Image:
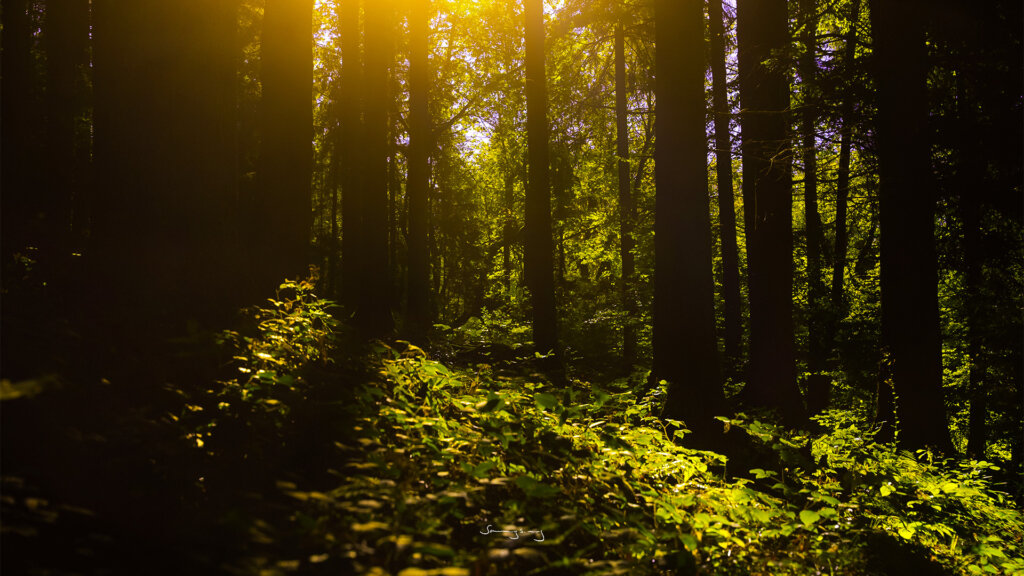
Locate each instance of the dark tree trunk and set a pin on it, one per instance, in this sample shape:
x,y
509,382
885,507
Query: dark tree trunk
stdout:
x,y
373,314
333,187
627,210
767,200
397,218
417,186
349,151
21,116
685,345
973,184
165,157
284,197
818,384
726,196
67,59
842,245
539,241
909,280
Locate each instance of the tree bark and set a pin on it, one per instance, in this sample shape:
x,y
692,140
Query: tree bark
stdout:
x,y
818,384
842,241
284,172
767,199
350,123
685,345
539,241
972,184
417,186
163,242
909,280
67,60
726,196
627,210
373,315
21,114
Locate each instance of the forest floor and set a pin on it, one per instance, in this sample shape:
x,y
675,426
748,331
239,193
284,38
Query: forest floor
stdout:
x,y
289,448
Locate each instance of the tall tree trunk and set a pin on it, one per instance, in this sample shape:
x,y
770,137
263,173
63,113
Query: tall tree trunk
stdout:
x,y
284,172
973,182
67,58
842,245
350,124
539,241
373,314
627,210
909,280
767,199
685,345
417,185
334,189
166,163
397,217
21,115
726,197
818,384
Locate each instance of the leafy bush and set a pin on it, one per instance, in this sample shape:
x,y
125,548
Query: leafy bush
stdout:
x,y
295,336
453,453
459,470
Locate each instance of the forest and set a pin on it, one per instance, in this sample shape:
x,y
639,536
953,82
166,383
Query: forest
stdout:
x,y
486,287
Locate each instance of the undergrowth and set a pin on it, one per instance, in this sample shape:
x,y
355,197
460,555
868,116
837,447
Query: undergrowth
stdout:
x,y
471,469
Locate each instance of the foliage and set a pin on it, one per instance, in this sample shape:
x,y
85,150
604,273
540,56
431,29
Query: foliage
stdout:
x,y
951,509
296,337
470,470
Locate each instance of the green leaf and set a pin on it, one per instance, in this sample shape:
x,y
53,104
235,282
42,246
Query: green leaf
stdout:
x,y
536,489
492,403
481,469
545,401
809,517
885,489
438,550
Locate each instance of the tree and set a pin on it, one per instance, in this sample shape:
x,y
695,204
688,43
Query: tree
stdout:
x,y
818,383
767,201
284,202
21,114
67,152
348,145
685,346
539,243
163,227
910,315
627,209
842,240
418,316
373,314
726,199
